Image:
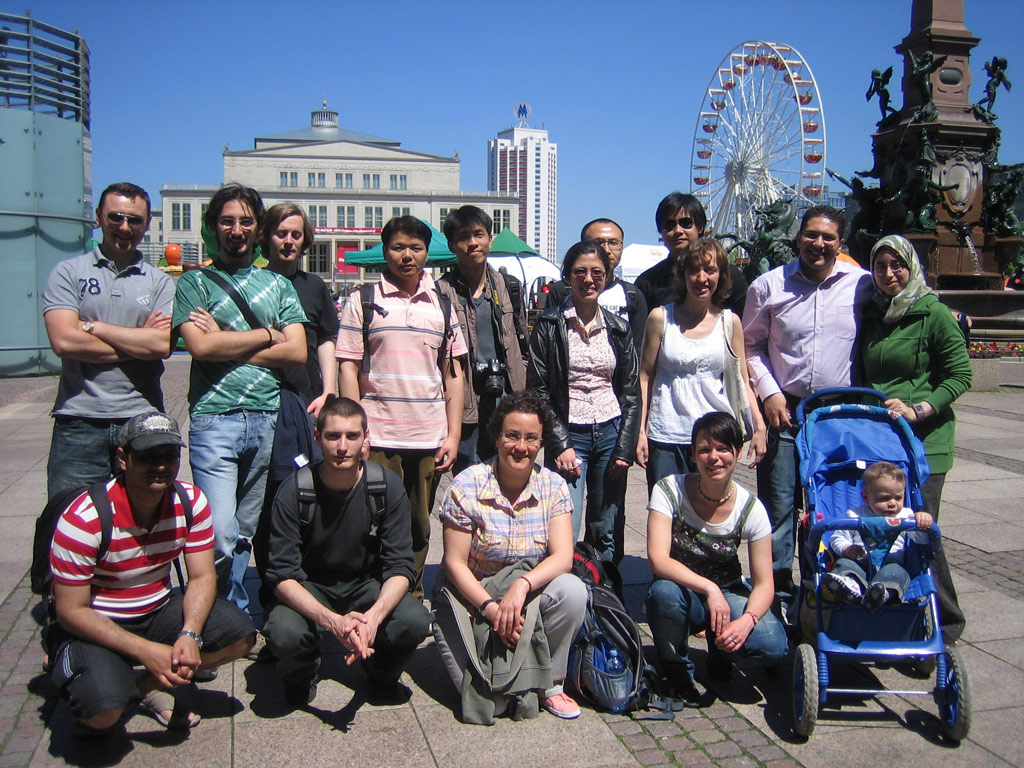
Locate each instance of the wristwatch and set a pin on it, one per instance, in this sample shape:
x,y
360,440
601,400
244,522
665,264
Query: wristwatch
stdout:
x,y
194,635
919,410
87,327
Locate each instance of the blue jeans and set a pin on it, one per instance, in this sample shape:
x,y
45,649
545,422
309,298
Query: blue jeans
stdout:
x,y
675,613
666,459
82,452
891,575
229,454
475,446
778,488
605,496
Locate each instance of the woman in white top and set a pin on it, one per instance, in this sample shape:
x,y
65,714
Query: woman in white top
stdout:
x,y
695,526
682,368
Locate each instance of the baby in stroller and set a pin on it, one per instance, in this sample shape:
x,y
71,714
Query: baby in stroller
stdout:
x,y
883,489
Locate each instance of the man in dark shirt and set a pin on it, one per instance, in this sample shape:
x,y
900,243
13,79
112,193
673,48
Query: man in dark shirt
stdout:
x,y
284,236
681,219
347,572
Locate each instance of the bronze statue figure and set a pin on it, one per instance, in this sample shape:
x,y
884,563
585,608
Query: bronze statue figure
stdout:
x,y
921,69
879,83
920,196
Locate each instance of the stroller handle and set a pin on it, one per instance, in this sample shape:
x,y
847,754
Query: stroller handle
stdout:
x,y
843,394
853,524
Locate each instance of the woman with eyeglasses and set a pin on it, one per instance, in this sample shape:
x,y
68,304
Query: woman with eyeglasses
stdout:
x,y
914,352
507,554
583,362
683,365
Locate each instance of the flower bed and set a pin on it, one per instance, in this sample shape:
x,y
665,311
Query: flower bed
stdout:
x,y
987,349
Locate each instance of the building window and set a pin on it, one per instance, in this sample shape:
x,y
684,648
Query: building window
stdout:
x,y
374,216
318,259
181,215
376,181
321,179
366,181
444,215
502,220
318,215
346,216
399,181
400,211
343,180
348,181
294,179
284,178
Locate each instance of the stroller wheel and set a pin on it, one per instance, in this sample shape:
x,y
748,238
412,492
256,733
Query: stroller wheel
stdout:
x,y
953,694
805,690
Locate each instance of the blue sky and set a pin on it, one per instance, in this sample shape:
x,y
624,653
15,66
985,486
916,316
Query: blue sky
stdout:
x,y
617,85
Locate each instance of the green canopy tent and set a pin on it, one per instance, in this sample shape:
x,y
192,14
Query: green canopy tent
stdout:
x,y
438,254
508,242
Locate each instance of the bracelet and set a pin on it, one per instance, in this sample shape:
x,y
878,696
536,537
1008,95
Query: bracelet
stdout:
x,y
270,337
528,582
752,615
484,604
195,636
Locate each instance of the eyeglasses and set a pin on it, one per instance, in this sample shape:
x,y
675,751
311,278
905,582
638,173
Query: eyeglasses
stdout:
x,y
609,243
893,266
531,439
228,222
158,457
596,274
117,219
669,224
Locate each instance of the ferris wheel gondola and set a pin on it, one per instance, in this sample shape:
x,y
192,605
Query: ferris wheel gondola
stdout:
x,y
760,136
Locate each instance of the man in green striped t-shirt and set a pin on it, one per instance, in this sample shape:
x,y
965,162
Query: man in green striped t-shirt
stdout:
x,y
234,392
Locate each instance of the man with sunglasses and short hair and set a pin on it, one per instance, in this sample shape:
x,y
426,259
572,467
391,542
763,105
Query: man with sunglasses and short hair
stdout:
x,y
681,219
108,316
235,391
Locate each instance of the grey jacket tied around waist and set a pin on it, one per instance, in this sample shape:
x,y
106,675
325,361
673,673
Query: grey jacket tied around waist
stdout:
x,y
496,673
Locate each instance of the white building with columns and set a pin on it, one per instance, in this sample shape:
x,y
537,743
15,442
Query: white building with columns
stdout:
x,y
349,183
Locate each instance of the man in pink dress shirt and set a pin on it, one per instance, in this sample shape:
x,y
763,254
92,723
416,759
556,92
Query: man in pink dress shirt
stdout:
x,y
800,332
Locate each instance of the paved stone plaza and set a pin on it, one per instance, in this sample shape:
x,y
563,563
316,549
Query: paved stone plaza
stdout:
x,y
748,724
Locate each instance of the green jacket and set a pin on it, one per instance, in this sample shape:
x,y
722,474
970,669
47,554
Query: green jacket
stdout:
x,y
922,357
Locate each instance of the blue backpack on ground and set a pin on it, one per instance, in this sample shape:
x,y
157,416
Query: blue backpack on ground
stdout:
x,y
606,662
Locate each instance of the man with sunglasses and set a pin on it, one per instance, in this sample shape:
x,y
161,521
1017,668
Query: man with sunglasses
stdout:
x,y
235,391
108,316
681,219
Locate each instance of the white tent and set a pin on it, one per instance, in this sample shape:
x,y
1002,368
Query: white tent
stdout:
x,y
533,271
637,258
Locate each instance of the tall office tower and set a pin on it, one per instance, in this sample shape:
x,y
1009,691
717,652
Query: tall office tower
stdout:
x,y
522,162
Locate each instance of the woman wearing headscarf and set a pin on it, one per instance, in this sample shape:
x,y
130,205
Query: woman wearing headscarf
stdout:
x,y
913,352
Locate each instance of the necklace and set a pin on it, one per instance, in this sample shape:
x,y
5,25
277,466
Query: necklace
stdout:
x,y
715,501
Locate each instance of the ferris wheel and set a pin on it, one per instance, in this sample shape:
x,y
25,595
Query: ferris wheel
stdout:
x,y
760,136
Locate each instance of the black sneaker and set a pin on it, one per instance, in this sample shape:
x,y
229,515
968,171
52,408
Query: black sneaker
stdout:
x,y
387,693
686,693
302,694
876,597
840,588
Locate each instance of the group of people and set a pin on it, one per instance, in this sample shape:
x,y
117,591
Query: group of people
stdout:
x,y
418,377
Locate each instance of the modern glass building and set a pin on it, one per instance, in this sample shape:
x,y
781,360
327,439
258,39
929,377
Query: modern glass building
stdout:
x,y
46,182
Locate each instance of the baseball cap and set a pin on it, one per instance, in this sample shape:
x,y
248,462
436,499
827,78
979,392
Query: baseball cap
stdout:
x,y
148,430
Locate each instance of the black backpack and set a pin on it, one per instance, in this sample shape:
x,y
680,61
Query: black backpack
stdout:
x,y
305,491
515,295
606,662
41,576
369,307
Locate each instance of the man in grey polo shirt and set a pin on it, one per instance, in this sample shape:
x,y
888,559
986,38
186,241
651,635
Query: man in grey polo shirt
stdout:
x,y
108,316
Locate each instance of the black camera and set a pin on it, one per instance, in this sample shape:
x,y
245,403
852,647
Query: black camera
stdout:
x,y
491,376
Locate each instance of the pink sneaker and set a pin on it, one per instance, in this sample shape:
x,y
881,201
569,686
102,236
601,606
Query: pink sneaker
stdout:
x,y
561,705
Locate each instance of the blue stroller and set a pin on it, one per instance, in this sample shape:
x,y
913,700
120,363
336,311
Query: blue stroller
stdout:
x,y
843,432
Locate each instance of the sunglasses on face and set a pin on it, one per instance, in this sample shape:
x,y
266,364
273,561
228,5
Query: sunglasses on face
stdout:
x,y
685,222
117,219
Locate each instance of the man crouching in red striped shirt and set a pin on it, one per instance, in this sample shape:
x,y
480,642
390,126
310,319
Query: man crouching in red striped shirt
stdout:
x,y
113,595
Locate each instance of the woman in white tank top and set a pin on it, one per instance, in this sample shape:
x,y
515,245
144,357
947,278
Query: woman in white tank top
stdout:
x,y
683,363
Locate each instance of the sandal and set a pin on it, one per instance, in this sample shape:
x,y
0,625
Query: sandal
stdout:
x,y
157,702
